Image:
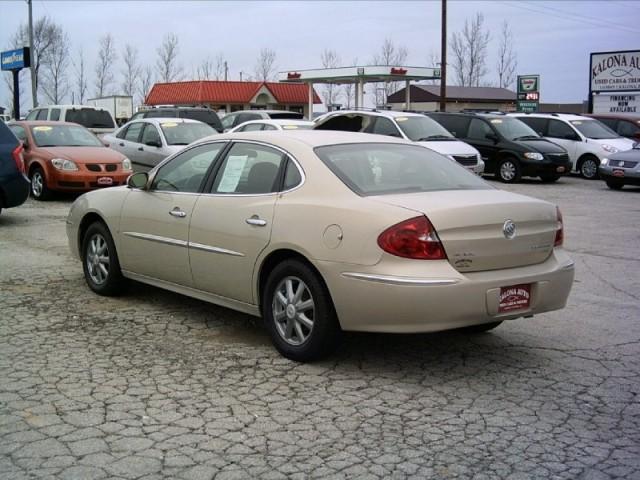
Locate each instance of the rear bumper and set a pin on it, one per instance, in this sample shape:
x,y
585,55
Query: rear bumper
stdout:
x,y
14,190
368,299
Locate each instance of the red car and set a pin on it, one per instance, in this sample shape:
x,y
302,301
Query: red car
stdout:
x,y
624,124
62,156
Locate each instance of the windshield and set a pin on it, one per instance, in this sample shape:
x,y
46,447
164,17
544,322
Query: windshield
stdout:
x,y
64,136
182,133
422,129
382,168
513,129
90,118
594,129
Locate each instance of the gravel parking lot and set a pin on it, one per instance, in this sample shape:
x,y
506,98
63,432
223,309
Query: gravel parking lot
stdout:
x,y
156,385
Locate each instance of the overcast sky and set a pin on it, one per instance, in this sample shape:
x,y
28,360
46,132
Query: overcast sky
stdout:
x,y
553,39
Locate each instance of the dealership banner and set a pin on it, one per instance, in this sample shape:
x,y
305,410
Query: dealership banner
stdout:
x,y
618,103
615,71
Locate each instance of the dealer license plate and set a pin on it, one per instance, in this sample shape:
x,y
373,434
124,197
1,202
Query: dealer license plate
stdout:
x,y
105,181
515,297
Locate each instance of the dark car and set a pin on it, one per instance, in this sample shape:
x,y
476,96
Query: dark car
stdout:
x,y
14,184
509,148
202,114
624,124
622,168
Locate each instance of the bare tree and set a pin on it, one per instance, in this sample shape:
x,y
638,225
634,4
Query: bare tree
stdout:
x,y
45,31
507,61
104,66
350,90
131,71
331,92
55,83
433,60
389,54
167,65
212,68
145,82
469,49
80,76
265,67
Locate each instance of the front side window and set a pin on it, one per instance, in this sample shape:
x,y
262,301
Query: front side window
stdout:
x,y
558,129
456,124
227,121
19,132
42,114
251,127
186,171
478,130
150,135
513,129
423,129
33,114
379,169
384,126
628,129
536,123
133,132
249,169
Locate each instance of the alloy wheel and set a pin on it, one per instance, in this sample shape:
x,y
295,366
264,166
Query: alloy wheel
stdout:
x,y
293,310
37,184
589,168
98,259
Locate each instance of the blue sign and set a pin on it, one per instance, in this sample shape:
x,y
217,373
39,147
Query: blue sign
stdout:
x,y
15,59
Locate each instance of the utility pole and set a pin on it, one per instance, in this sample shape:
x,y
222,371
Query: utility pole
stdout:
x,y
226,70
34,97
443,59
240,76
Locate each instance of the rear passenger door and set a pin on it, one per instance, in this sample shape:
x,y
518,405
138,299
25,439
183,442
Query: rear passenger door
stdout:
x,y
129,141
564,135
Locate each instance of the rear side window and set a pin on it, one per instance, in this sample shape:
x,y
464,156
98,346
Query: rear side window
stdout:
x,y
344,123
32,114
292,176
161,113
609,122
457,125
628,129
133,132
246,117
537,124
55,114
287,115
19,132
42,114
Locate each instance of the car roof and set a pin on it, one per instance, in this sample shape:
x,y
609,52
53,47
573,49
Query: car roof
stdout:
x,y
310,138
158,120
38,123
616,116
377,113
561,116
279,121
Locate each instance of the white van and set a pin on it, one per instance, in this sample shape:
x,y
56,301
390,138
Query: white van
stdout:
x,y
99,121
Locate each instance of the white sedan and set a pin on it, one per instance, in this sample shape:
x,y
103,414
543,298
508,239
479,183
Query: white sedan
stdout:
x,y
319,232
276,124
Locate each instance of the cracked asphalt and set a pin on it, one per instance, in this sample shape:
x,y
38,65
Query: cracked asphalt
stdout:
x,y
155,385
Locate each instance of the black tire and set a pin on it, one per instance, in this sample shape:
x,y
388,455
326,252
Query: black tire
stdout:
x,y
484,327
322,337
508,170
588,167
549,177
113,283
39,189
615,184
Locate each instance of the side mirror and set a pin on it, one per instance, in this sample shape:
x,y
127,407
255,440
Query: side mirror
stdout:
x,y
25,144
138,180
491,136
154,143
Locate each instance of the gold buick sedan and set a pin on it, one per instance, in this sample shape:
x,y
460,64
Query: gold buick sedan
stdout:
x,y
320,232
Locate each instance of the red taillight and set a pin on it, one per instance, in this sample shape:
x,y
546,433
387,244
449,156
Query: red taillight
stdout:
x,y
559,229
414,238
18,158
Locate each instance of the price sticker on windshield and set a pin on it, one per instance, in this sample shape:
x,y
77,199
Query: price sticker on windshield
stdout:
x,y
496,120
42,128
401,119
290,127
170,124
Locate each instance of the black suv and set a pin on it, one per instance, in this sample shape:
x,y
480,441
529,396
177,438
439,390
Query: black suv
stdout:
x,y
509,148
14,185
202,114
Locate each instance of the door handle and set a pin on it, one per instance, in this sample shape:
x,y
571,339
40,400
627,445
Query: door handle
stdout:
x,y
176,212
140,149
121,144
257,221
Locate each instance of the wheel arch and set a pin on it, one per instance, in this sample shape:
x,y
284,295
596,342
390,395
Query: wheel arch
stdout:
x,y
276,257
87,220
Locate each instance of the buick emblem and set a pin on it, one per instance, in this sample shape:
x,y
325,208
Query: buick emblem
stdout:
x,y
509,229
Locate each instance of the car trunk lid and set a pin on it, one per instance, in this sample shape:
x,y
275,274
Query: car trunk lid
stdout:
x,y
474,226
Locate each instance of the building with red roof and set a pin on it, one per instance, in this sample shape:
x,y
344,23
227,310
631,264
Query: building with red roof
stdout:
x,y
231,95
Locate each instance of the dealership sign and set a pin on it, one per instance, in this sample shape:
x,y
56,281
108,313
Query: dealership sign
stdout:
x,y
616,103
15,59
528,93
615,71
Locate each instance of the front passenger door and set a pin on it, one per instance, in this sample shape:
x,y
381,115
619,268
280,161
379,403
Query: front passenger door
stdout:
x,y
154,226
477,136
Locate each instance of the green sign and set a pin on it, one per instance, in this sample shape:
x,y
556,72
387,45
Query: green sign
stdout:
x,y
528,83
527,107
